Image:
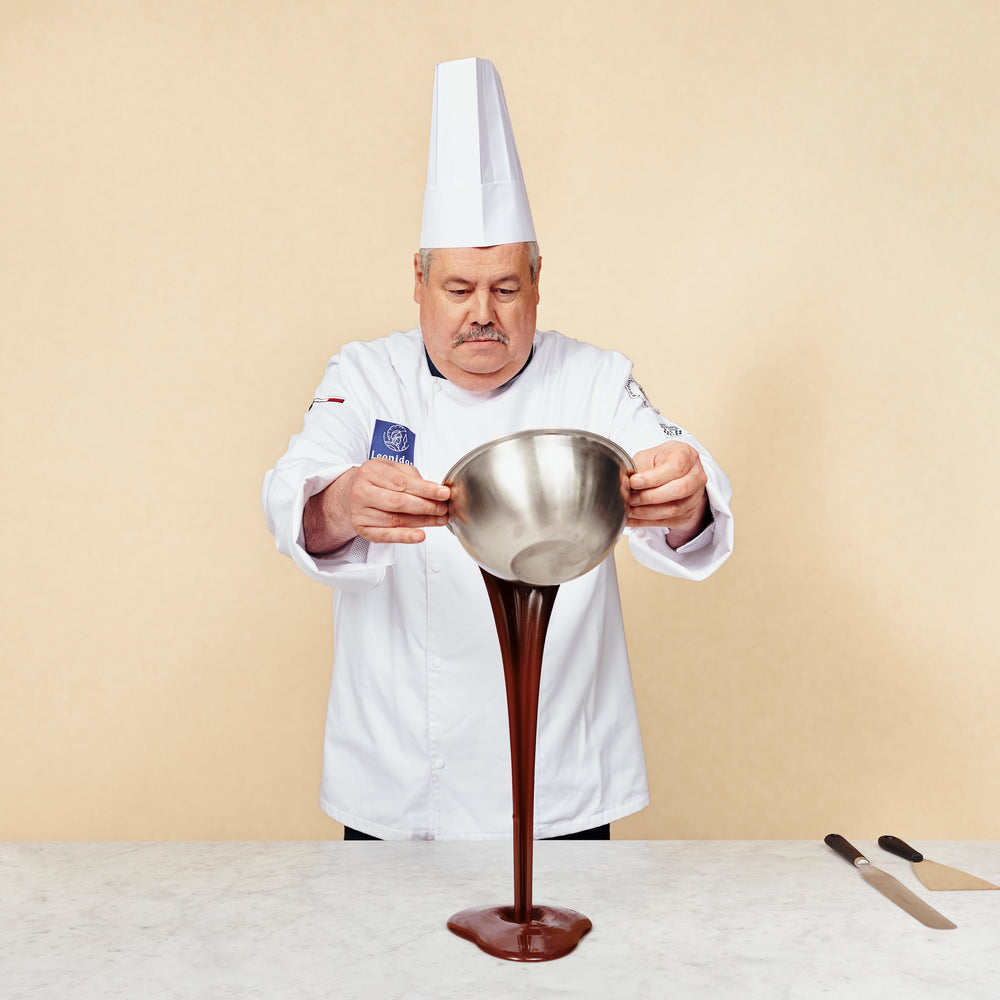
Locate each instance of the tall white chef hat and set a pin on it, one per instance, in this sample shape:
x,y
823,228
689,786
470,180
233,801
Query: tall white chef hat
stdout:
x,y
475,194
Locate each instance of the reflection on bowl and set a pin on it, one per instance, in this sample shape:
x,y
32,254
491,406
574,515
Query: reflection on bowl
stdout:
x,y
541,507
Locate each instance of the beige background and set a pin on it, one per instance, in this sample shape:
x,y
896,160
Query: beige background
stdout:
x,y
787,213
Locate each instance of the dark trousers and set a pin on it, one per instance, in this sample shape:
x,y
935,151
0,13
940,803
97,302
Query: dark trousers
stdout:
x,y
595,833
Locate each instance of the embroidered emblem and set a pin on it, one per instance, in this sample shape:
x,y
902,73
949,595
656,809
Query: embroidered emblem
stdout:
x,y
635,391
392,441
395,438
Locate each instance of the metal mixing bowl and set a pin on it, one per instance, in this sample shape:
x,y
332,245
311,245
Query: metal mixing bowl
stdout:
x,y
541,507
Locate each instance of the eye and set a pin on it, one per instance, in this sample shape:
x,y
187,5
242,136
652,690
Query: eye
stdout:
x,y
506,293
458,291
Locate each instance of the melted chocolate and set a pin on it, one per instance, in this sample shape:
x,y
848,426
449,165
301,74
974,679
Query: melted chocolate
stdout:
x,y
522,932
550,933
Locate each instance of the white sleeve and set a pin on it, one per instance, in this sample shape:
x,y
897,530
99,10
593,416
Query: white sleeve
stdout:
x,y
639,425
333,439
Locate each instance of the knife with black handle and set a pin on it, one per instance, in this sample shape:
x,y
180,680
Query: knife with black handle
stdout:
x,y
890,887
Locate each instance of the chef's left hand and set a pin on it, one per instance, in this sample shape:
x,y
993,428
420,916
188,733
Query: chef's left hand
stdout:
x,y
668,491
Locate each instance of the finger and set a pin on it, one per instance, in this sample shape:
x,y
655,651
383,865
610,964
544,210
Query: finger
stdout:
x,y
404,536
661,515
403,479
378,517
658,475
392,502
382,527
676,490
681,507
387,491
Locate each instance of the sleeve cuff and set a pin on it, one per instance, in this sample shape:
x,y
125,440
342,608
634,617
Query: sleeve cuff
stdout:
x,y
358,565
696,559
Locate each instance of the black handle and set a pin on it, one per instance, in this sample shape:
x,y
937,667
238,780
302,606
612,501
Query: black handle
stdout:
x,y
847,851
899,847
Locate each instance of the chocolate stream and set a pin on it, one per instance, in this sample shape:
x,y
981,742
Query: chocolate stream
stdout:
x,y
524,932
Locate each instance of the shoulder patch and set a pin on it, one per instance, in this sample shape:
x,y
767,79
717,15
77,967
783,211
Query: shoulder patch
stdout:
x,y
392,441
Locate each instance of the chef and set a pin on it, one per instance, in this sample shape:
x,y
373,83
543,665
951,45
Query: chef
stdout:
x,y
416,743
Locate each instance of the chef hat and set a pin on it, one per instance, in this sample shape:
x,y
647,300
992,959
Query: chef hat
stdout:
x,y
475,194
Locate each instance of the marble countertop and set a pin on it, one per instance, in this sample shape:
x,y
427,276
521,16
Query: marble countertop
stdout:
x,y
685,919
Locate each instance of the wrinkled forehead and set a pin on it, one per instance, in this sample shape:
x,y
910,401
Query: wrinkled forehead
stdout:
x,y
505,260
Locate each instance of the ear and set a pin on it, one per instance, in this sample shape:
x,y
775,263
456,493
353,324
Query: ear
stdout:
x,y
418,279
538,277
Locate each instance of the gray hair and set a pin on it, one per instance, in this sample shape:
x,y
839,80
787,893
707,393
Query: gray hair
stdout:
x,y
533,258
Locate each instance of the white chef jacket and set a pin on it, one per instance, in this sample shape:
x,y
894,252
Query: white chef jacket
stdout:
x,y
417,743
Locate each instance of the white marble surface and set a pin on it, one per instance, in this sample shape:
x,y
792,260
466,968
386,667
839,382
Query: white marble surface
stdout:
x,y
685,919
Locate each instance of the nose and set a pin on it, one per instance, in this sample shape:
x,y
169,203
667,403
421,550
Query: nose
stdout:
x,y
481,307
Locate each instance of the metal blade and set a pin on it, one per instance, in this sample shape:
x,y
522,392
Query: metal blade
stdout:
x,y
937,876
893,889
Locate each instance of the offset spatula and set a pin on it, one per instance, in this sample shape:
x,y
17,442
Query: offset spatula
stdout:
x,y
891,888
933,875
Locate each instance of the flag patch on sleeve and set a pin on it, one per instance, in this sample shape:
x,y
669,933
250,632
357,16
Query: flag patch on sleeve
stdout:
x,y
326,399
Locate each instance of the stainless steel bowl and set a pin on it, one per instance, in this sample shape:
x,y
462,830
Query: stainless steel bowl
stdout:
x,y
541,507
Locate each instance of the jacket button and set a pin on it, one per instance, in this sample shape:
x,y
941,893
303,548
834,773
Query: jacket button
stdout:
x,y
437,763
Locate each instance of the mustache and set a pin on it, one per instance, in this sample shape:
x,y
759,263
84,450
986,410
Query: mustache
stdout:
x,y
486,332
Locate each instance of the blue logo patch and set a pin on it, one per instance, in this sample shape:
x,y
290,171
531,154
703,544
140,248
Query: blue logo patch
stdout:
x,y
392,441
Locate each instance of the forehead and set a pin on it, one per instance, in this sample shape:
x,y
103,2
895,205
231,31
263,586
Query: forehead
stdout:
x,y
474,264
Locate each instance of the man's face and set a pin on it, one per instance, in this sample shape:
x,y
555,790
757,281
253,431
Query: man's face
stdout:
x,y
477,312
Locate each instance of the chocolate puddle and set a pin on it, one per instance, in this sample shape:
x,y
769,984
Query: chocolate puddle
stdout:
x,y
522,932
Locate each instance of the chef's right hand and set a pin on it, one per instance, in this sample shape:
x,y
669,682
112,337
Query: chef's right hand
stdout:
x,y
381,501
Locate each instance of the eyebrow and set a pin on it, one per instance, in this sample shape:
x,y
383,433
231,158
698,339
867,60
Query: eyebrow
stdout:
x,y
504,280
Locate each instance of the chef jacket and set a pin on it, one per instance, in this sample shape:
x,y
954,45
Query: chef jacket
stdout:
x,y
416,742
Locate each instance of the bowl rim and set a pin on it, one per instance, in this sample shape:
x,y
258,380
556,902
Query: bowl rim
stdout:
x,y
574,432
